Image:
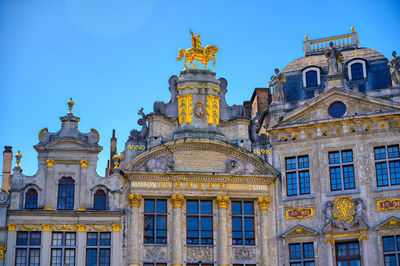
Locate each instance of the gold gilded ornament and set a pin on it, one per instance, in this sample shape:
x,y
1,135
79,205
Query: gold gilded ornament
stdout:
x,y
222,202
212,109
263,203
135,200
84,163
198,53
344,209
199,110
177,201
50,163
185,108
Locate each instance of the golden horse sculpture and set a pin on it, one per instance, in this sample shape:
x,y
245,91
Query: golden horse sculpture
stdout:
x,y
197,52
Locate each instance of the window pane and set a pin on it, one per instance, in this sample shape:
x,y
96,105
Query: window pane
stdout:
x,y
236,207
294,251
57,239
308,249
237,234
69,258
393,151
380,153
249,231
161,229
192,230
56,257
161,206
341,250
100,200
91,257
149,228
105,239
70,239
304,182
382,174
31,199
336,179
92,239
34,257
206,230
291,184
35,239
334,157
104,257
303,162
149,206
248,208
394,167
353,249
347,156
388,243
357,71
22,238
20,257
206,206
390,260
192,206
290,163
348,177
311,78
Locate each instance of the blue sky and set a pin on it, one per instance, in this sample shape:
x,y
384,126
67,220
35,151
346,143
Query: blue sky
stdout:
x,y
115,56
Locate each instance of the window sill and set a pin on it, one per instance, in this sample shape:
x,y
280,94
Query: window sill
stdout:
x,y
307,196
199,246
157,245
378,189
341,192
243,246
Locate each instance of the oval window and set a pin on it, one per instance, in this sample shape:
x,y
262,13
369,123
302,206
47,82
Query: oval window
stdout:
x,y
337,109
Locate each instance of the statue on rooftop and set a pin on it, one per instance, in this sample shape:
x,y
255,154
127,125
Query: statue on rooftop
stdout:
x,y
198,53
335,59
276,83
394,65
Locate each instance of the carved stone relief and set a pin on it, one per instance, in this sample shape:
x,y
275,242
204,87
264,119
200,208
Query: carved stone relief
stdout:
x,y
200,254
244,254
235,166
155,253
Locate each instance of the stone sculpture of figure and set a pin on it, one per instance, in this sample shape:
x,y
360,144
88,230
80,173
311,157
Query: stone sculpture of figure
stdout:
x,y
140,135
394,65
196,44
329,212
335,59
359,214
276,83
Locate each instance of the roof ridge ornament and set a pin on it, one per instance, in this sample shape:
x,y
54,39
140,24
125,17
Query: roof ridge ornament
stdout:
x,y
198,53
70,106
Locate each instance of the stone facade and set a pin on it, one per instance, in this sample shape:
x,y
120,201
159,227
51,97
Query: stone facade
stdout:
x,y
206,183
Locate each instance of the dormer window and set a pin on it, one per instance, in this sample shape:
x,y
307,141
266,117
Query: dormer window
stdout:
x,y
31,199
311,77
357,69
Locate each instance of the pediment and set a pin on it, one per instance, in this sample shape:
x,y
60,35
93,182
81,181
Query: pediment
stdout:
x,y
298,231
317,109
200,156
68,144
389,224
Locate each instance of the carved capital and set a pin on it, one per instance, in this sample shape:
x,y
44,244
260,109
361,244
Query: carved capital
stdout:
x,y
84,163
116,227
263,203
81,228
3,249
50,163
222,202
135,200
46,227
177,201
11,227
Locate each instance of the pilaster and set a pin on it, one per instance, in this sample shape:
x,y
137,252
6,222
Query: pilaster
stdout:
x,y
133,235
263,206
176,241
222,241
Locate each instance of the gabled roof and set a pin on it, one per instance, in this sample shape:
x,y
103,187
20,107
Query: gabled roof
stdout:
x,y
391,223
299,230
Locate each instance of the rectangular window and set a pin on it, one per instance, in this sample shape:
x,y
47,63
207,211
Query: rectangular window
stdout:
x,y
243,223
341,170
155,221
348,253
28,248
199,219
297,176
391,250
98,250
301,254
198,264
154,264
63,248
387,165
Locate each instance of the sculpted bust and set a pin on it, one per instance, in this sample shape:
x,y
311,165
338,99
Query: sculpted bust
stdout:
x,y
394,65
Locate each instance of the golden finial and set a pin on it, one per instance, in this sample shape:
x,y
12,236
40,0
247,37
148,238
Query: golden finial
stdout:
x,y
306,37
18,156
70,105
117,160
198,53
352,29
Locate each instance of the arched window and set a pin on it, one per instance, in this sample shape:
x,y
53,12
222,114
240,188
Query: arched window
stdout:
x,y
311,79
357,71
31,198
66,190
100,200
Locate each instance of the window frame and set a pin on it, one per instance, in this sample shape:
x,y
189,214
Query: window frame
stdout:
x,y
63,247
98,247
356,61
63,200
297,171
155,215
387,162
395,252
28,247
342,166
311,68
199,215
303,259
26,198
348,257
105,200
242,216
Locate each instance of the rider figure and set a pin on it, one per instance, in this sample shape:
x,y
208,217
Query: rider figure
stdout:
x,y
196,44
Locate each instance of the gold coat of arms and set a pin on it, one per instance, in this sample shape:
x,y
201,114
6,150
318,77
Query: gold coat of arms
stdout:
x,y
343,209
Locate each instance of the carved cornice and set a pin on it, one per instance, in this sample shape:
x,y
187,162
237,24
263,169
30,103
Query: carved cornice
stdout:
x,y
177,201
222,202
263,203
64,227
135,200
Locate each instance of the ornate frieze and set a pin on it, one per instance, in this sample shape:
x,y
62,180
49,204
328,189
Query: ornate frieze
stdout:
x,y
263,203
244,254
155,253
222,202
64,227
200,254
212,109
388,205
299,213
134,200
185,108
177,201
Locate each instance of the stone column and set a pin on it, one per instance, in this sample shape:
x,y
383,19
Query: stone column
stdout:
x,y
263,206
116,245
133,232
51,180
329,250
81,244
11,242
222,240
46,242
176,239
83,199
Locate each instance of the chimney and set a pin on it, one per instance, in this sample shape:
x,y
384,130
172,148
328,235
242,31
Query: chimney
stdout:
x,y
7,165
113,151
